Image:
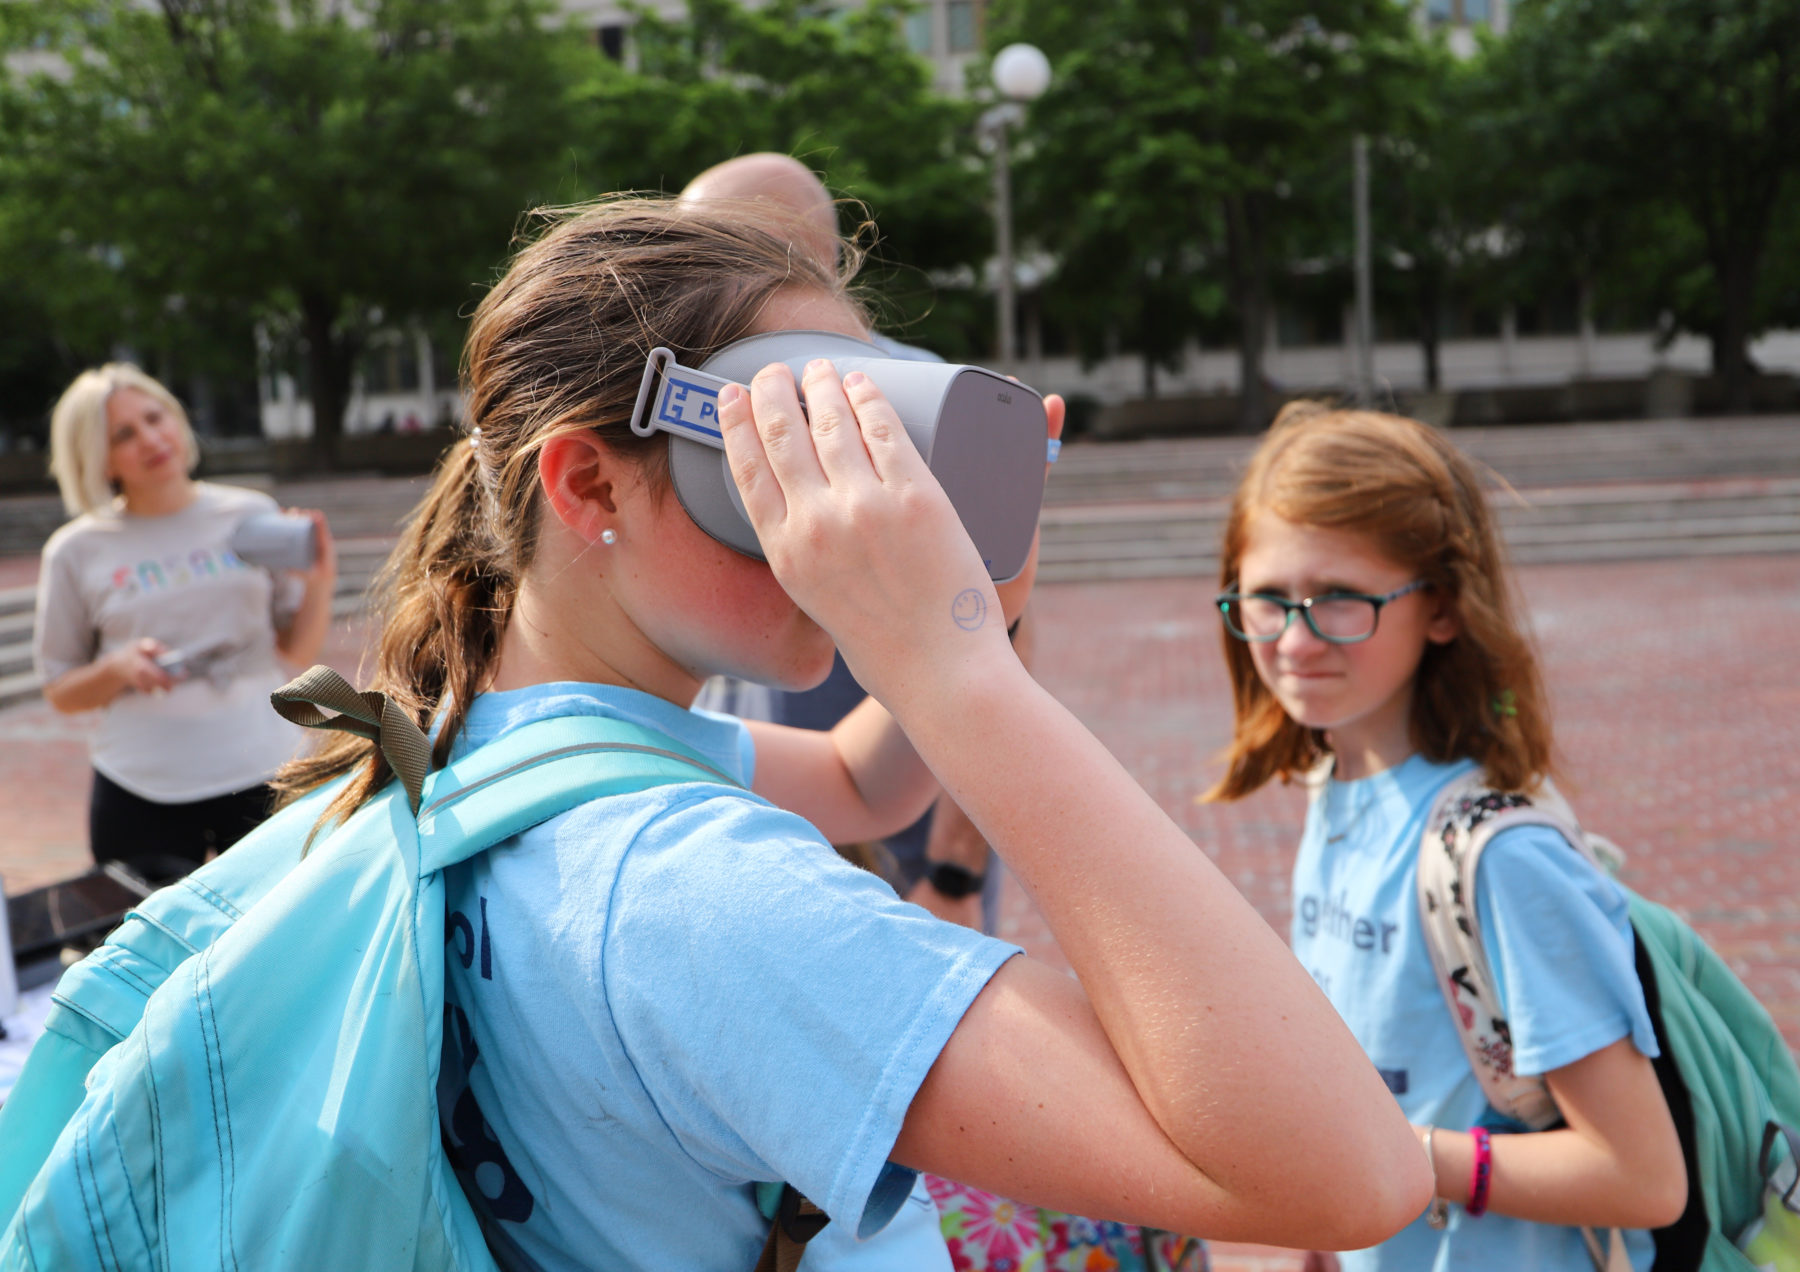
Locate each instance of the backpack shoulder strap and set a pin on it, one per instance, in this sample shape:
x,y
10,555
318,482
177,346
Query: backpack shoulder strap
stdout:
x,y
471,803
1464,819
486,796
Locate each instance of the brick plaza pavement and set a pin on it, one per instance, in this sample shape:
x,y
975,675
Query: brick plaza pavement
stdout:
x,y
1677,692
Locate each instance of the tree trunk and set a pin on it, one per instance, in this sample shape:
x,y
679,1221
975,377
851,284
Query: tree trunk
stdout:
x,y
1250,297
1731,363
1429,308
329,357
1150,376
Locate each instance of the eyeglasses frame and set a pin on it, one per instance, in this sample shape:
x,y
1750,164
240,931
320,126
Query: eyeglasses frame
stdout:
x,y
1304,605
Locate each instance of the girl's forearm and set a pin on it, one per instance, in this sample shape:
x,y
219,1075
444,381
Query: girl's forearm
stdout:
x,y
1231,1047
891,780
860,780
1559,1177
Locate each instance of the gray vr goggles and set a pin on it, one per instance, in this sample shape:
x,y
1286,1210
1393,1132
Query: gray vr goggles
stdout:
x,y
982,436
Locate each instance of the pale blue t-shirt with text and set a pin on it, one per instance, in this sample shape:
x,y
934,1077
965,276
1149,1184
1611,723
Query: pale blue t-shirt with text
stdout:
x,y
657,999
1558,937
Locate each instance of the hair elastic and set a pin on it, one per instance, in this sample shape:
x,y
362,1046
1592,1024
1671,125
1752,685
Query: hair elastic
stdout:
x,y
1437,1217
1481,1172
1505,704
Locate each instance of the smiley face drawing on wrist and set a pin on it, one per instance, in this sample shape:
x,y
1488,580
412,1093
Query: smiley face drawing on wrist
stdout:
x,y
969,610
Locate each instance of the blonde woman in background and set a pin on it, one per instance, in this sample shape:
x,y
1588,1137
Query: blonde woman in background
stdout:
x,y
145,614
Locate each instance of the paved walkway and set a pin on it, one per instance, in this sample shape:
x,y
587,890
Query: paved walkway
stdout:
x,y
1676,684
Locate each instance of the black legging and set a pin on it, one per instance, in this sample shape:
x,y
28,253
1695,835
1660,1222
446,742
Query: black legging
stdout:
x,y
125,827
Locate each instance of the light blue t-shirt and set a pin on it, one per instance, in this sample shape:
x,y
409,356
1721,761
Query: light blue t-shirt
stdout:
x,y
656,999
1558,937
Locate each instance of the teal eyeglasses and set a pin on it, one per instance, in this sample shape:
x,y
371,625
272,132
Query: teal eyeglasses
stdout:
x,y
1342,618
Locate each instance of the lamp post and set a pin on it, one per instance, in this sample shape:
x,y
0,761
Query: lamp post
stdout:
x,y
1365,289
1021,73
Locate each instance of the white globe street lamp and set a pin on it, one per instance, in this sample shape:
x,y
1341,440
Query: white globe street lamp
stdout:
x,y
1021,73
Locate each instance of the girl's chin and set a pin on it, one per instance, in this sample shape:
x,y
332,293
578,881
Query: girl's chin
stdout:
x,y
1307,711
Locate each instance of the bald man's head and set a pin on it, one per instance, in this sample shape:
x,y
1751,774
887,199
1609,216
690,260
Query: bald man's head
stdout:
x,y
781,180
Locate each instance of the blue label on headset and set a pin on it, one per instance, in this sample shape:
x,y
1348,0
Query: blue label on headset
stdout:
x,y
690,407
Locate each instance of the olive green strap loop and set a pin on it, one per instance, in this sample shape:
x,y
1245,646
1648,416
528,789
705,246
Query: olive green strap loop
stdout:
x,y
368,715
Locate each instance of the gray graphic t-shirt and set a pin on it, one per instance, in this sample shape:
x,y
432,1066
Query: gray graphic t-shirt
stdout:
x,y
109,579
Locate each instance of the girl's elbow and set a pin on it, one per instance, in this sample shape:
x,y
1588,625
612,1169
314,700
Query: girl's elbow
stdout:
x,y
1664,1197
1382,1201
1359,1206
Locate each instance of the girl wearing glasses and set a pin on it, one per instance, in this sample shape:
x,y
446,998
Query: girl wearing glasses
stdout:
x,y
1375,646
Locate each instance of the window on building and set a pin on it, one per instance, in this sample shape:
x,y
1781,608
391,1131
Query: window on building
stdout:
x,y
1395,323
391,368
964,21
1469,320
1554,315
1458,12
610,40
1308,321
918,31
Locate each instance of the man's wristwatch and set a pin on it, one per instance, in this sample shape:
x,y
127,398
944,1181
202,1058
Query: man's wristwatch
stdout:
x,y
952,880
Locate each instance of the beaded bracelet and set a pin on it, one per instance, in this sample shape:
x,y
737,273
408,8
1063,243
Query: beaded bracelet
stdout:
x,y
1481,1172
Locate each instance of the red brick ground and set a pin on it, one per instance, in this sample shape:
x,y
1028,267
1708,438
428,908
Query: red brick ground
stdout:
x,y
1677,692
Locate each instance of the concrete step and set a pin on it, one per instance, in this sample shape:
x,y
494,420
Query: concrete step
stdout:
x,y
1202,561
1561,524
18,682
18,687
1533,456
357,507
1117,535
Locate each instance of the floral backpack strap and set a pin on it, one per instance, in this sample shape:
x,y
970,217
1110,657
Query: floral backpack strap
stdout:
x,y
1464,819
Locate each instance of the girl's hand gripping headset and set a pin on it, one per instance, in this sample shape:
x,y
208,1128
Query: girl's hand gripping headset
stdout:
x,y
983,436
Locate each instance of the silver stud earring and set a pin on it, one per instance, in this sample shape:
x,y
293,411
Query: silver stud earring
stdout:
x,y
608,537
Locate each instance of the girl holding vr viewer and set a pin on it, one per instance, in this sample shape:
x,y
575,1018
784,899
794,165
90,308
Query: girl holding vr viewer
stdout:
x,y
685,990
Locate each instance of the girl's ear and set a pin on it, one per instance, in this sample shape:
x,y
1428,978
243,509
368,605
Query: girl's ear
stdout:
x,y
1444,626
580,473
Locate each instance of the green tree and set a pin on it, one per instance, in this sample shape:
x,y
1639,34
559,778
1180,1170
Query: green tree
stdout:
x,y
838,89
1202,126
1666,137
324,167
1433,196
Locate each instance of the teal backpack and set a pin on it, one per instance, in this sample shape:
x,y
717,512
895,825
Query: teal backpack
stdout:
x,y
246,1074
1730,1080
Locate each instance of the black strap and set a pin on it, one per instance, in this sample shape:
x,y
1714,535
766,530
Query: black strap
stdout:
x,y
1772,1132
796,1222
